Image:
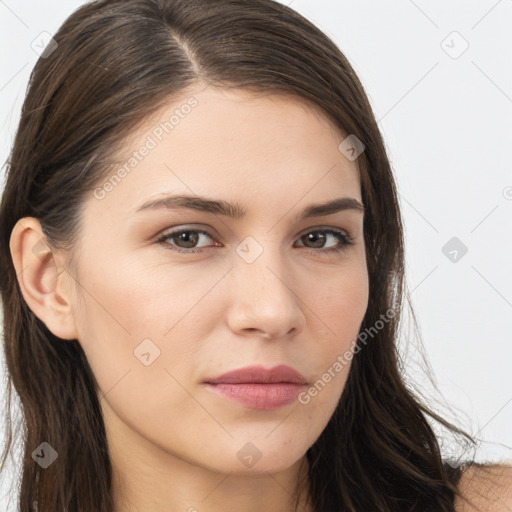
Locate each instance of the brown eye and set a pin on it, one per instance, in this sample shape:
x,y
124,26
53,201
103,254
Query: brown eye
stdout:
x,y
188,238
319,237
318,240
184,240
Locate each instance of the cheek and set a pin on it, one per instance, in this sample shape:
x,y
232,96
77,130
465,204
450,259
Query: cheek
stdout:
x,y
144,300
336,302
336,308
141,331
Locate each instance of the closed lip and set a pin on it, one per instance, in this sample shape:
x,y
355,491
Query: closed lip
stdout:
x,y
260,375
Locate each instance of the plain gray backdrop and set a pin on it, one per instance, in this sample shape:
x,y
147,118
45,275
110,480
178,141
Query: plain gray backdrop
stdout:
x,y
439,78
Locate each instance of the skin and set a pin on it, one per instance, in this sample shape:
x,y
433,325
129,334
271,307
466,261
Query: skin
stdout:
x,y
486,488
174,443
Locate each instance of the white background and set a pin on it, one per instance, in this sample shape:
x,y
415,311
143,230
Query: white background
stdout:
x,y
447,124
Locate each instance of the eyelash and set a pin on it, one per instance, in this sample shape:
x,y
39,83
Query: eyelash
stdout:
x,y
345,239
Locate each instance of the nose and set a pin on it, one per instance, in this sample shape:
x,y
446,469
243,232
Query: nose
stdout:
x,y
263,301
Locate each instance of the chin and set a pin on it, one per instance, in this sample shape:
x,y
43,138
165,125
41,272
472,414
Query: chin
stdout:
x,y
263,456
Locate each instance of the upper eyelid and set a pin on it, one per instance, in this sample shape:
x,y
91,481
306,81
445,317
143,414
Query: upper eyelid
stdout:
x,y
205,230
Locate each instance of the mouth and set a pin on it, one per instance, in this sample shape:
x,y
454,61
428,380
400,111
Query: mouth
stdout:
x,y
258,388
265,397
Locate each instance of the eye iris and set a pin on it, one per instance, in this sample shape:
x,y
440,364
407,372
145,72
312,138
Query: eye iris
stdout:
x,y
189,237
317,238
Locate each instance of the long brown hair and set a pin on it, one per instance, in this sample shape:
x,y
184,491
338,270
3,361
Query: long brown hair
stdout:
x,y
118,61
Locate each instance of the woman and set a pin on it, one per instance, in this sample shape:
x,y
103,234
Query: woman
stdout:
x,y
203,259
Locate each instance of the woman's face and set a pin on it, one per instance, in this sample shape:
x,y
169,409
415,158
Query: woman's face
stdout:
x,y
157,319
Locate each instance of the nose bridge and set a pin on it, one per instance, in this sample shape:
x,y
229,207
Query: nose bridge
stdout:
x,y
261,294
261,264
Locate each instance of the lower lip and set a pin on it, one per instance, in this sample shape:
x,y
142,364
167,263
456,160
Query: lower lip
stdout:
x,y
265,397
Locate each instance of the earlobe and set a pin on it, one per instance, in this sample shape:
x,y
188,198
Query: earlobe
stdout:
x,y
40,279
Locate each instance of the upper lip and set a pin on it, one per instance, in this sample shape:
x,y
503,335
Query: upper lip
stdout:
x,y
259,374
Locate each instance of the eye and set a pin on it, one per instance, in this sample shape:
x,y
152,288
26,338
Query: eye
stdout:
x,y
344,239
183,236
185,240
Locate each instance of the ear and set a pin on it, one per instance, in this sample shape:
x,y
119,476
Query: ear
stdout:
x,y
44,286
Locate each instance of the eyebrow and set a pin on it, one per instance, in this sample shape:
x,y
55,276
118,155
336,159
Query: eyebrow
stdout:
x,y
236,211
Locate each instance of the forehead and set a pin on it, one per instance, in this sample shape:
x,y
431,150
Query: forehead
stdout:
x,y
232,143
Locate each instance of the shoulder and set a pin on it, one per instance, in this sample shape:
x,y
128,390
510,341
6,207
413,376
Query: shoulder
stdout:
x,y
487,487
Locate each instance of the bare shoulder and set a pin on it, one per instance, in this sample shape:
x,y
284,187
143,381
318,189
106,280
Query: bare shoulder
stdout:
x,y
487,487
